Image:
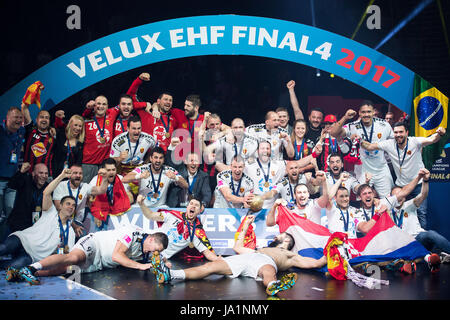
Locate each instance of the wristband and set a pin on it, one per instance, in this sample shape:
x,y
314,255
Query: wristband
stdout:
x,y
377,216
137,176
314,154
423,180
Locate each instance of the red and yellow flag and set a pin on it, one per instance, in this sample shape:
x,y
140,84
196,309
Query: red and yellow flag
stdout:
x,y
33,94
250,237
337,266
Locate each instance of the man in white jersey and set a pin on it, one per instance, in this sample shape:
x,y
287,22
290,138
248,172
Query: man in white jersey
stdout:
x,y
405,217
341,216
155,178
285,188
235,142
129,148
335,171
182,228
261,264
52,233
271,131
373,130
124,246
234,188
304,206
406,158
265,173
81,191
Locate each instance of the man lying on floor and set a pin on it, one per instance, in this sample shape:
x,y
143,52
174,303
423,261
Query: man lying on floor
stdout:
x,y
261,264
104,249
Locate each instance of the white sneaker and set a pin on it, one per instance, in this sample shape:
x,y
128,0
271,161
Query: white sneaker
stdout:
x,y
445,257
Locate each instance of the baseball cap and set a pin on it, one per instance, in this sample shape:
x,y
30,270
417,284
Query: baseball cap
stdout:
x,y
330,118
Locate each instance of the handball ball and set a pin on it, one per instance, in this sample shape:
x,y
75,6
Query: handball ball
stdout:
x,y
256,204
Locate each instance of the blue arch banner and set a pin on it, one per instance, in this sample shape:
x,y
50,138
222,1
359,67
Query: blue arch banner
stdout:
x,y
217,35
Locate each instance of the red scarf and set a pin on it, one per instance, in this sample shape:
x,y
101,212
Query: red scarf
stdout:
x,y
101,207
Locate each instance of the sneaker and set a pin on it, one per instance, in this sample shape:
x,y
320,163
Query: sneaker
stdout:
x,y
26,274
395,265
445,257
286,282
408,267
12,274
365,266
434,262
160,270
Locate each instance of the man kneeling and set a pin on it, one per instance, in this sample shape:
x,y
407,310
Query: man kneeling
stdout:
x,y
261,264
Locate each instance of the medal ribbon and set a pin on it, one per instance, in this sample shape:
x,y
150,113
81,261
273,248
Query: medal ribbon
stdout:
x,y
102,131
365,132
398,220
345,221
135,147
404,154
63,235
299,154
71,194
156,187
266,176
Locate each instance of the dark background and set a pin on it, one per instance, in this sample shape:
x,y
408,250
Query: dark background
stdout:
x,y
34,33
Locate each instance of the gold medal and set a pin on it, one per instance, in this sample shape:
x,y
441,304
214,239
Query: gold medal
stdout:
x,y
266,184
167,135
66,249
155,195
102,140
191,245
405,214
188,140
38,209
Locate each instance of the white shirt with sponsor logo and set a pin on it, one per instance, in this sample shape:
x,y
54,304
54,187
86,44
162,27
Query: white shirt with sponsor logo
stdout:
x,y
247,148
406,218
259,131
136,150
274,174
225,179
286,189
350,184
81,194
155,189
105,242
312,211
412,162
372,161
176,240
337,220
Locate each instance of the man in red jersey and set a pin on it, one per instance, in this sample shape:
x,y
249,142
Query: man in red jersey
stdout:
x,y
159,125
119,114
99,135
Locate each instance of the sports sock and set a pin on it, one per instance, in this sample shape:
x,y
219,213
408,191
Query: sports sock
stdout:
x,y
178,274
37,266
271,283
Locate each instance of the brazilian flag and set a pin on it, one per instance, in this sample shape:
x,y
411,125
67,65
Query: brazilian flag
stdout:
x,y
429,112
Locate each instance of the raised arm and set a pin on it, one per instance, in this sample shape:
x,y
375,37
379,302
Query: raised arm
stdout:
x,y
369,146
239,247
298,113
337,130
435,137
101,189
147,212
47,200
323,201
424,191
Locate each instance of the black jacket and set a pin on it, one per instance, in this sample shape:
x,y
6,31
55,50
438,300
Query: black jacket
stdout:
x,y
201,188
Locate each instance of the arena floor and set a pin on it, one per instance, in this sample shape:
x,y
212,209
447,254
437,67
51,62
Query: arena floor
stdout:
x,y
312,290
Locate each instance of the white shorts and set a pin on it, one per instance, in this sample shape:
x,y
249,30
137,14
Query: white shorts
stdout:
x,y
248,264
382,181
88,245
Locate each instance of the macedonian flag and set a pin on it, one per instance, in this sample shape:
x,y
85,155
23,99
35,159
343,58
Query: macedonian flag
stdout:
x,y
429,112
33,94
